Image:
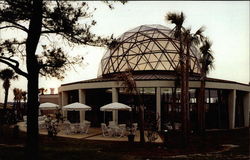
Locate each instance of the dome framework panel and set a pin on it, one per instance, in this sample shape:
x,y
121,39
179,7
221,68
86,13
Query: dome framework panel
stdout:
x,y
145,48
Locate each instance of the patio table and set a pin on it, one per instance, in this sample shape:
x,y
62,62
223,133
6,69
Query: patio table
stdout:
x,y
117,130
75,127
114,129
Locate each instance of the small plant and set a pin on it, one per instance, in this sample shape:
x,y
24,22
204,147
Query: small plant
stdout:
x,y
131,134
131,131
51,126
59,116
151,124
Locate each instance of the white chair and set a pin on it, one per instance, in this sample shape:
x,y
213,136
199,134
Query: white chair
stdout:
x,y
86,128
82,127
25,120
122,130
41,124
41,118
134,127
105,130
74,128
112,123
66,128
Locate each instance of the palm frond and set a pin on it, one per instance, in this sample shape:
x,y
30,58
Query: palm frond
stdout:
x,y
175,18
8,74
128,81
207,59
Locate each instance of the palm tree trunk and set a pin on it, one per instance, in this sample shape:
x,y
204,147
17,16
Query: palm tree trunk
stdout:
x,y
201,105
174,103
6,99
141,113
183,94
141,117
187,92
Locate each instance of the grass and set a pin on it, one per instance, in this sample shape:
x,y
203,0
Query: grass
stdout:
x,y
74,149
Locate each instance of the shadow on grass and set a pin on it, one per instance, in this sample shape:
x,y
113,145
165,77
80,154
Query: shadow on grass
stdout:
x,y
60,148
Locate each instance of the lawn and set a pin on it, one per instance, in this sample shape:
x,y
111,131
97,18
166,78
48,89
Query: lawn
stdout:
x,y
236,146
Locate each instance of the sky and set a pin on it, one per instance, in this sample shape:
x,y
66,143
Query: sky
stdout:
x,y
226,24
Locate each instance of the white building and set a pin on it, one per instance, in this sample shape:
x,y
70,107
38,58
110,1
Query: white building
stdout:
x,y
151,51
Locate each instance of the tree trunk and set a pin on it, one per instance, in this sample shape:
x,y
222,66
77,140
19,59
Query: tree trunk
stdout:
x,y
183,94
32,117
201,105
6,99
141,116
33,72
174,104
141,113
187,92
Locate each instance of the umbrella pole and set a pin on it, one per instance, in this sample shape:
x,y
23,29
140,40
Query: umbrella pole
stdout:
x,y
104,117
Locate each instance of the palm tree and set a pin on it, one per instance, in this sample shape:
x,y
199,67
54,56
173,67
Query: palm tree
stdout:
x,y
18,96
206,61
129,83
190,40
178,20
24,97
17,99
6,75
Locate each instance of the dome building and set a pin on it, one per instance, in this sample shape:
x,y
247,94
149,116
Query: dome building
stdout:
x,y
151,53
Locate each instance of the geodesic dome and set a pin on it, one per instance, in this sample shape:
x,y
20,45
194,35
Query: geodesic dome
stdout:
x,y
146,48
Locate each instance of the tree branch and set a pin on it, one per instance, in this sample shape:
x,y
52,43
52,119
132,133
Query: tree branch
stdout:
x,y
11,60
15,67
50,31
16,25
46,65
7,27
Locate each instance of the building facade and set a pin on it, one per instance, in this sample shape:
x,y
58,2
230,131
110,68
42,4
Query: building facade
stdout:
x,y
152,54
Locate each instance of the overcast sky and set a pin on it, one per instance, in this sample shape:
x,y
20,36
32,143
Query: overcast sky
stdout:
x,y
226,23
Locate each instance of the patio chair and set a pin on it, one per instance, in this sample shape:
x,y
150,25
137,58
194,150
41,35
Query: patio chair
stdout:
x,y
112,123
41,118
134,127
122,130
41,124
86,129
105,130
66,128
25,120
74,128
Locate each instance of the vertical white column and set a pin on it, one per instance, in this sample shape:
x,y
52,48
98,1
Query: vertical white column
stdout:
x,y
82,116
60,99
115,99
59,102
246,109
158,106
64,102
231,108
82,99
82,96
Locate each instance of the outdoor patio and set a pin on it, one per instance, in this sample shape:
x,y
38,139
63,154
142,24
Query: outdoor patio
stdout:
x,y
93,134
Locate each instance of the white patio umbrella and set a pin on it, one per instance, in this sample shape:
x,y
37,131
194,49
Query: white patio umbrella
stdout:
x,y
48,106
77,107
115,106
